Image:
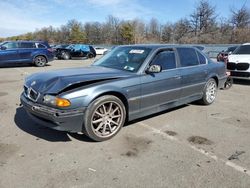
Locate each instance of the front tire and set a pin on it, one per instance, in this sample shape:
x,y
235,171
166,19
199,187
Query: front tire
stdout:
x,y
209,92
104,118
40,61
65,55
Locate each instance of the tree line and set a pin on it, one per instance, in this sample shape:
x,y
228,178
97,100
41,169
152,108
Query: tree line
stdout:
x,y
202,26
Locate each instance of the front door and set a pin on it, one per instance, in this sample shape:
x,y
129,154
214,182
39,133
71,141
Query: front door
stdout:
x,y
9,53
160,90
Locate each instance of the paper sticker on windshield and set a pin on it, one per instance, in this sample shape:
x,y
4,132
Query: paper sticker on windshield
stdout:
x,y
136,51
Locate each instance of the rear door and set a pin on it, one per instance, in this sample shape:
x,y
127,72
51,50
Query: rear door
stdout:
x,y
25,51
193,71
163,88
9,53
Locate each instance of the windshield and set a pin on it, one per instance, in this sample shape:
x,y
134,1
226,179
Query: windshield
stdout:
x,y
231,49
244,49
128,58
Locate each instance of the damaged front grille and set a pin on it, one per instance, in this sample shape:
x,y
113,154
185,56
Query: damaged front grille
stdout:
x,y
31,93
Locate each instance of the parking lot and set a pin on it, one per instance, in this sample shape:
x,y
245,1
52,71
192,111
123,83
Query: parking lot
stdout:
x,y
189,146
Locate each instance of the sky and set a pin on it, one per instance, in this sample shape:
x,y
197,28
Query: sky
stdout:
x,y
21,16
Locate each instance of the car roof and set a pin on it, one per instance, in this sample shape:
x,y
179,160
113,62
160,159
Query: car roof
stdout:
x,y
38,41
157,46
246,44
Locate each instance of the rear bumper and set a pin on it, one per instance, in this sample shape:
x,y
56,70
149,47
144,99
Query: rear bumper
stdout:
x,y
50,57
62,120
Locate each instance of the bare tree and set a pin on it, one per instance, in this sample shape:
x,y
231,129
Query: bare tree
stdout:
x,y
167,33
138,31
153,31
203,18
111,30
240,18
181,29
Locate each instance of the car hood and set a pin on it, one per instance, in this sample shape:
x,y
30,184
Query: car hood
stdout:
x,y
53,82
239,58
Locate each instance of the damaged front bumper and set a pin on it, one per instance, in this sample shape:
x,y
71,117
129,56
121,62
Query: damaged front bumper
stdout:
x,y
62,120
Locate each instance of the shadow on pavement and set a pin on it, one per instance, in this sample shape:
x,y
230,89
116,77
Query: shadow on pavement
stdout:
x,y
16,65
241,82
23,121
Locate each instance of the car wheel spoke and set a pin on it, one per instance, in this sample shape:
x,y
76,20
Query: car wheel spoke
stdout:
x,y
114,122
98,120
99,126
99,114
116,116
107,119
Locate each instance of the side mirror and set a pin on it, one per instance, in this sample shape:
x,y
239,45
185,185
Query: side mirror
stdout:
x,y
3,48
154,69
230,53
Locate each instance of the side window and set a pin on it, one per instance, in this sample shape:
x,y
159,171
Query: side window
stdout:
x,y
27,45
10,45
39,45
188,57
165,59
202,58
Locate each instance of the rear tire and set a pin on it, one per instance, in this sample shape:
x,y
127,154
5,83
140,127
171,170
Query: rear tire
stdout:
x,y
40,61
229,83
104,118
90,55
209,92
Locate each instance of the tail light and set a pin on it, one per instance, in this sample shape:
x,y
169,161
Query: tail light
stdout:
x,y
50,49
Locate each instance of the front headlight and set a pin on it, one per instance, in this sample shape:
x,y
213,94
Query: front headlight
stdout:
x,y
56,101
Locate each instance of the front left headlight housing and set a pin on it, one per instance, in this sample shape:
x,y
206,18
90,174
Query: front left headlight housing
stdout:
x,y
56,101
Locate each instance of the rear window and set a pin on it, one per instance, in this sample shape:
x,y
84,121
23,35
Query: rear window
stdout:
x,y
202,59
188,57
39,45
244,49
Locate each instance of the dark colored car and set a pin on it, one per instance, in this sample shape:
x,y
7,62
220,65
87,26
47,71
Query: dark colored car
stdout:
x,y
75,50
38,53
223,55
127,83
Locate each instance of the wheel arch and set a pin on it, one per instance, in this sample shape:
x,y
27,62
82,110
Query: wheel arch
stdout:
x,y
216,80
119,95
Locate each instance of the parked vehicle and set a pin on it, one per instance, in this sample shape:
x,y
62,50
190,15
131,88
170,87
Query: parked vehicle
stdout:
x,y
127,83
239,62
223,55
38,53
100,50
75,50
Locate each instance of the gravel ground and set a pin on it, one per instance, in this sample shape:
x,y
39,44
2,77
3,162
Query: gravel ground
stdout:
x,y
189,146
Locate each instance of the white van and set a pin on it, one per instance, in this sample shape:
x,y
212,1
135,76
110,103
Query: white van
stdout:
x,y
239,62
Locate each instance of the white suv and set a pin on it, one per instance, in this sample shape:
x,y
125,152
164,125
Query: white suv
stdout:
x,y
239,62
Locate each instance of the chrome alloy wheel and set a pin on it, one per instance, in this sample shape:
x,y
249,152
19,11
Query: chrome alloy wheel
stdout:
x,y
40,61
107,119
211,91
